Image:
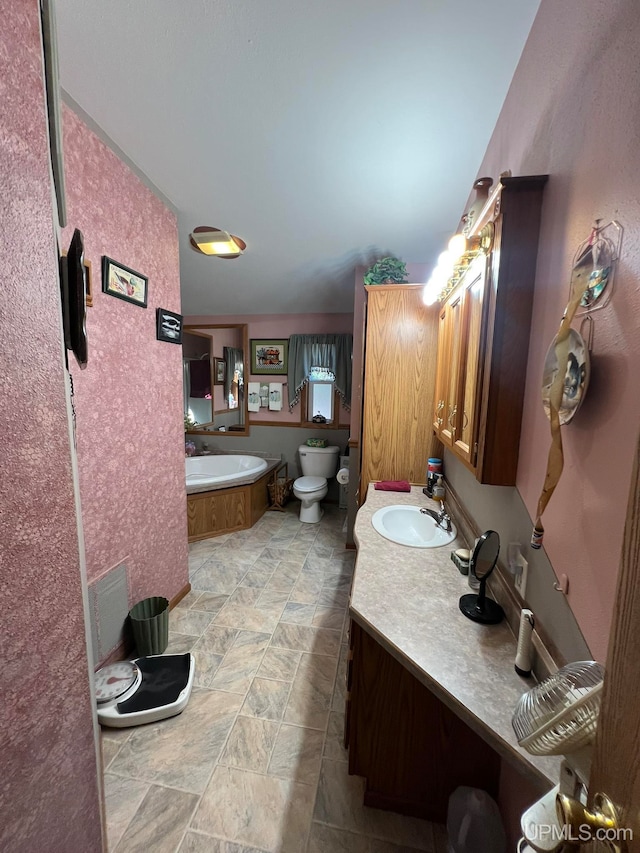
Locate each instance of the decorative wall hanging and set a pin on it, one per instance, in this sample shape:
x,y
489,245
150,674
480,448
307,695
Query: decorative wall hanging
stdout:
x,y
576,377
599,252
567,364
168,326
73,287
124,283
218,371
88,282
269,356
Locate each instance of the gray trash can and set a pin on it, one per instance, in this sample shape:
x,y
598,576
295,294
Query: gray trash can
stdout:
x,y
150,625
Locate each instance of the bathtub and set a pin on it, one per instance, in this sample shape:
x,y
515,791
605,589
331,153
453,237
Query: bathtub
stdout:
x,y
220,470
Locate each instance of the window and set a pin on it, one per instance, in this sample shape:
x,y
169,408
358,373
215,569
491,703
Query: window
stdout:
x,y
321,395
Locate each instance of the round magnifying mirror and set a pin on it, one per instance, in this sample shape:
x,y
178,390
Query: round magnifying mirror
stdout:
x,y
483,560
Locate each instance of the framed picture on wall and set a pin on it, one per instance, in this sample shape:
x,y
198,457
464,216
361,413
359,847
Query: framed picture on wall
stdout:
x,y
269,356
168,326
124,283
219,368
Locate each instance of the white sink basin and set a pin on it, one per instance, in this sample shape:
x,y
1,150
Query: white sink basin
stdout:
x,y
406,525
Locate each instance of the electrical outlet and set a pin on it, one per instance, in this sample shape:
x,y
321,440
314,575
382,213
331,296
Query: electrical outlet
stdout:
x,y
520,578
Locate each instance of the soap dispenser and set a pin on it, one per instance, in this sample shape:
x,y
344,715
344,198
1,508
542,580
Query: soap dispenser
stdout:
x,y
438,490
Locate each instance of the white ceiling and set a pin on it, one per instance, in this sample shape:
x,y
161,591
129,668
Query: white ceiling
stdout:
x,y
325,134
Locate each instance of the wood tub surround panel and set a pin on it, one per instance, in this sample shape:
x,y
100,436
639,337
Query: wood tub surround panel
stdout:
x,y
226,510
259,498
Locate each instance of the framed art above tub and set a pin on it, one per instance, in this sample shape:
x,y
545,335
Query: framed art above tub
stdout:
x,y
269,356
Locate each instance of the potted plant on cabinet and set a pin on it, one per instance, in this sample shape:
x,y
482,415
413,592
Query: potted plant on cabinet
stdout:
x,y
387,270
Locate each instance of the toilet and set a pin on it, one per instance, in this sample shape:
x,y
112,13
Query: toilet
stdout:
x,y
318,464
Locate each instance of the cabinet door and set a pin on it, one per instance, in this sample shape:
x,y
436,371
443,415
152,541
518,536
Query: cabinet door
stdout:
x,y
400,369
468,402
442,373
453,322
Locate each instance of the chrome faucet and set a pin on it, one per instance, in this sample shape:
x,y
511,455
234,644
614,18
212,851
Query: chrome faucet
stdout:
x,y
442,518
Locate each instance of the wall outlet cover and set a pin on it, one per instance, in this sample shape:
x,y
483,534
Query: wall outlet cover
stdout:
x,y
520,577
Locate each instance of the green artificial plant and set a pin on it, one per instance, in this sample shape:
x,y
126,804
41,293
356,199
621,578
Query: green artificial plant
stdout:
x,y
387,271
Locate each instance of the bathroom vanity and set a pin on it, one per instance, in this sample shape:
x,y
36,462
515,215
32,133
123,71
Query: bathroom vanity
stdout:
x,y
430,694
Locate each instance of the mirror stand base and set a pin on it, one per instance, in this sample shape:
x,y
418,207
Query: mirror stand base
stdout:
x,y
488,612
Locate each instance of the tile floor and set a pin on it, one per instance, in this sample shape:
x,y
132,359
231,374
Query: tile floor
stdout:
x,y
255,762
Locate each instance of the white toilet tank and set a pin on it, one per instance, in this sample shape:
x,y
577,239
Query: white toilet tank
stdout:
x,y
319,461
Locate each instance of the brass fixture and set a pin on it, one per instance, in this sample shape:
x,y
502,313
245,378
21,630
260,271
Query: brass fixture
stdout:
x,y
578,821
453,263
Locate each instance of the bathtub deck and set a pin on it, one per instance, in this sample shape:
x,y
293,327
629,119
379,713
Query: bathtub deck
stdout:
x,y
217,511
194,488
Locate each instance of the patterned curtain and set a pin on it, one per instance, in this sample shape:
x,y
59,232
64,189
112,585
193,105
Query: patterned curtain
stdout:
x,y
332,352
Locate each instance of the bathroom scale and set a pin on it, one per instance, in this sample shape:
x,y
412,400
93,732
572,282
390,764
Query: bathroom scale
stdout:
x,y
144,690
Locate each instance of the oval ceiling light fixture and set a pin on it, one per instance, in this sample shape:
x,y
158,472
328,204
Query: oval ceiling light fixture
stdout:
x,y
215,241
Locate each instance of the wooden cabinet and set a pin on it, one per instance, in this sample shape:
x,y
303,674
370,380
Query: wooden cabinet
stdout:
x,y
226,510
412,750
459,367
399,378
483,338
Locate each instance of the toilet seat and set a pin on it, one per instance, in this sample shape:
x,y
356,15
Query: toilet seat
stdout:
x,y
309,483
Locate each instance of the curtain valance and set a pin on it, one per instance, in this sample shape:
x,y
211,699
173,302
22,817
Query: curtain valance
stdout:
x,y
330,351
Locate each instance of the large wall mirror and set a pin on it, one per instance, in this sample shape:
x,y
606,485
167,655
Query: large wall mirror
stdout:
x,y
214,366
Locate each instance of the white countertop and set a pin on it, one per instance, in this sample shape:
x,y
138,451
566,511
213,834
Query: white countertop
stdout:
x,y
407,599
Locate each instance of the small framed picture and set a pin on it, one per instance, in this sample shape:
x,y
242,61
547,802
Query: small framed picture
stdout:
x,y
124,283
218,371
168,326
269,356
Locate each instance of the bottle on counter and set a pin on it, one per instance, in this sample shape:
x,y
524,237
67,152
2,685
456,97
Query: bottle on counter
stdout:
x,y
438,489
434,467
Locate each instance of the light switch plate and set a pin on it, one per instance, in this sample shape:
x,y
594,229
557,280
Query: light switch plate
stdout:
x,y
520,578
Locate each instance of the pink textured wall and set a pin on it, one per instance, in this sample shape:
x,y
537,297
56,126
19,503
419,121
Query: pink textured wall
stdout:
x,y
129,398
279,326
48,787
569,114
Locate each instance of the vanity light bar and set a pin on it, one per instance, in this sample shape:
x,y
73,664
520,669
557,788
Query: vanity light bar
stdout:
x,y
452,264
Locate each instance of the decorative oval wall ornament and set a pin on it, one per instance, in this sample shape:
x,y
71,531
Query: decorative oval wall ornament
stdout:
x,y
576,369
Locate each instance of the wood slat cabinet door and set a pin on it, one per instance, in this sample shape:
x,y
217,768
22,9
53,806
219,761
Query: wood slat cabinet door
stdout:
x,y
442,372
470,369
454,318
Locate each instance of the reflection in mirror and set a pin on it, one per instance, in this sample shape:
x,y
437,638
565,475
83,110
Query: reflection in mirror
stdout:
x,y
214,368
196,377
483,560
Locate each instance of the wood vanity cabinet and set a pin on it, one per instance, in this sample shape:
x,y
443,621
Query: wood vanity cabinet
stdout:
x,y
411,749
483,338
